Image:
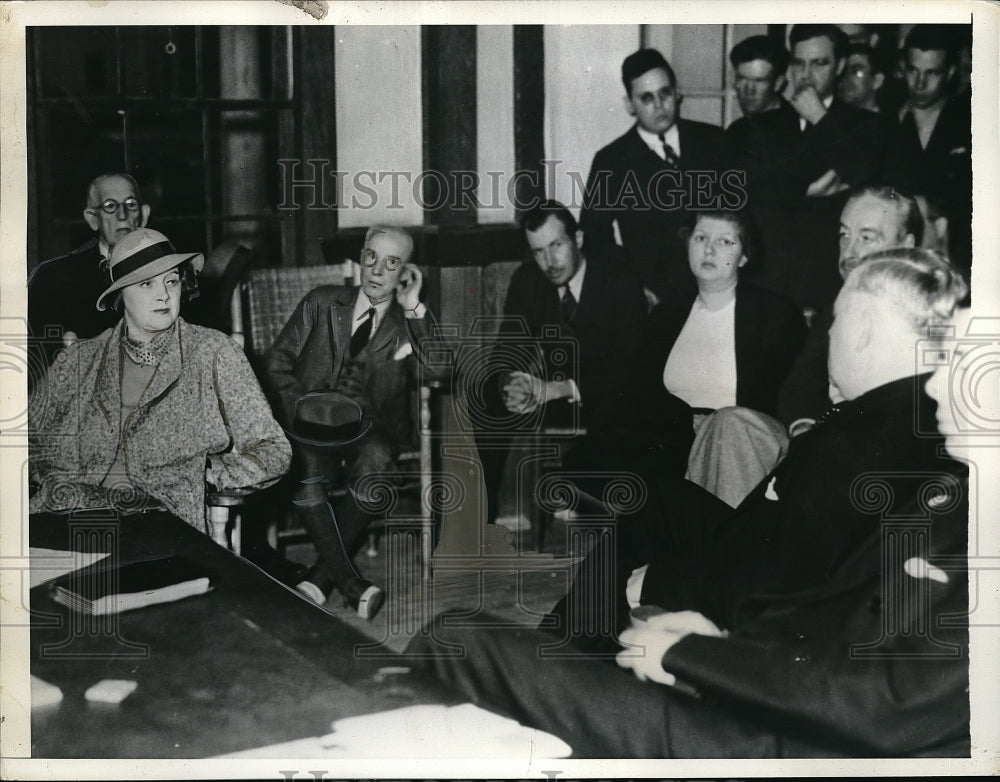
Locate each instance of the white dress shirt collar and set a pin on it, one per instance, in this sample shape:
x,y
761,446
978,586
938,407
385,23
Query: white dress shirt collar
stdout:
x,y
362,305
672,137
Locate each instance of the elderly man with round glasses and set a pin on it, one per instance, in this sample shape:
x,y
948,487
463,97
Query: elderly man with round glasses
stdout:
x,y
338,379
62,291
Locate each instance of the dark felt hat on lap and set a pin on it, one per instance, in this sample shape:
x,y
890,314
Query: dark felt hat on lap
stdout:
x,y
328,419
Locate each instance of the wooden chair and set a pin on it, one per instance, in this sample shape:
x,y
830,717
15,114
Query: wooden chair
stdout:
x,y
229,262
261,306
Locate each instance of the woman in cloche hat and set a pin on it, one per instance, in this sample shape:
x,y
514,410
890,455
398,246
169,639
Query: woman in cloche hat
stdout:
x,y
129,420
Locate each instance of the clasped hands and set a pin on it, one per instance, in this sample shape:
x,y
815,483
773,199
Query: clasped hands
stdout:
x,y
646,642
525,393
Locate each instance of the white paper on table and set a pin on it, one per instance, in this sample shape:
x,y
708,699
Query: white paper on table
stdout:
x,y
47,563
44,694
437,731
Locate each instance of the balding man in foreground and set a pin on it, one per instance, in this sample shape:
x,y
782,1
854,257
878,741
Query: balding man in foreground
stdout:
x,y
800,627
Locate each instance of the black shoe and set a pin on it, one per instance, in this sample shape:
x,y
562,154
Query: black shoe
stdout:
x,y
315,585
363,597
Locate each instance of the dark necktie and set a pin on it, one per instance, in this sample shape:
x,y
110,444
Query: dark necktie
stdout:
x,y
668,153
568,306
360,337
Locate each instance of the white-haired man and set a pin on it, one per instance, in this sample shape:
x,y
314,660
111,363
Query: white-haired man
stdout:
x,y
337,376
799,623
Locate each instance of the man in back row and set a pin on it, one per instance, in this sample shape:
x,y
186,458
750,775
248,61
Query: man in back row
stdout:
x,y
760,63
62,291
929,151
862,78
800,164
649,180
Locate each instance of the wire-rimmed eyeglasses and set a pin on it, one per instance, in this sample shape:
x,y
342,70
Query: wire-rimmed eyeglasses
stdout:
x,y
110,206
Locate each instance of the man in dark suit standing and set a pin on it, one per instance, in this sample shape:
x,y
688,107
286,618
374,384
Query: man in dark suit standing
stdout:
x,y
800,165
930,147
62,291
759,63
649,180
338,380
571,327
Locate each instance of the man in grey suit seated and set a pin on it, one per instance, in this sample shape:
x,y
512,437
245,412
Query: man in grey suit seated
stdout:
x,y
338,378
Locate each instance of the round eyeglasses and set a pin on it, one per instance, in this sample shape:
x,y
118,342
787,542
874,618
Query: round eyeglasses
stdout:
x,y
369,258
110,206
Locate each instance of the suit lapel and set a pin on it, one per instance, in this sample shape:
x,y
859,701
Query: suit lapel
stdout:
x,y
642,152
942,137
689,146
387,336
107,386
340,325
590,293
744,323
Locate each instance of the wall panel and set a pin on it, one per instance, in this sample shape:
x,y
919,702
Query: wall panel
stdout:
x,y
379,123
583,99
495,120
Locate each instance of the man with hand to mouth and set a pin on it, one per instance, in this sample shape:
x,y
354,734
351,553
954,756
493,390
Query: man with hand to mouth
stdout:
x,y
801,165
338,379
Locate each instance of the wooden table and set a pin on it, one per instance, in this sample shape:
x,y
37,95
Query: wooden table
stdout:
x,y
247,665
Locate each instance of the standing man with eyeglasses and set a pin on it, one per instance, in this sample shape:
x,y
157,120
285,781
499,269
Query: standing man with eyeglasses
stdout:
x,y
648,181
62,291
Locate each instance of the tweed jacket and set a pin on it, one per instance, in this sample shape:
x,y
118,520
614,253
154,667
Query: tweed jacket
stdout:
x,y
309,353
202,408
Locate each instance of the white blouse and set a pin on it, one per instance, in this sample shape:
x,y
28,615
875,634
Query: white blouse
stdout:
x,y
701,367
